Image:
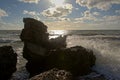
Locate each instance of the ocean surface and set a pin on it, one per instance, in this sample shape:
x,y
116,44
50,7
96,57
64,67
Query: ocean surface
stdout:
x,y
104,43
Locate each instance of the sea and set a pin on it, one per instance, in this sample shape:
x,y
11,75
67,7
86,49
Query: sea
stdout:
x,y
104,43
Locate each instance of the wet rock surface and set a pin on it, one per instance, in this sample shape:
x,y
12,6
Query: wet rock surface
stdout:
x,y
8,60
53,74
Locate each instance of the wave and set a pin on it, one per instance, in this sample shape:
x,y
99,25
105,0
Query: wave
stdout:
x,y
7,40
102,37
107,53
93,32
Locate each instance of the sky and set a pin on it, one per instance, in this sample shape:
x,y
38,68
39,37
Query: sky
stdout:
x,y
62,14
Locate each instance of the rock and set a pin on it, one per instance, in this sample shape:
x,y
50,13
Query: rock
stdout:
x,y
34,32
37,44
8,60
44,54
53,74
35,38
77,60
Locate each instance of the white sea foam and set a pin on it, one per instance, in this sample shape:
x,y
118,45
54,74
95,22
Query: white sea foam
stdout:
x,y
107,53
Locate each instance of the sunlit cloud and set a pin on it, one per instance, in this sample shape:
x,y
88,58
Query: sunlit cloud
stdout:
x,y
3,13
32,13
30,1
96,13
106,22
99,4
57,2
69,25
59,11
64,19
87,16
110,19
94,18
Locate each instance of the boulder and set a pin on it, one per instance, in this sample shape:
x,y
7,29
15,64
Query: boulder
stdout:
x,y
8,60
34,32
53,74
77,60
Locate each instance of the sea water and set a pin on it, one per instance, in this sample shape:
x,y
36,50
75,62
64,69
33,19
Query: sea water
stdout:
x,y
104,43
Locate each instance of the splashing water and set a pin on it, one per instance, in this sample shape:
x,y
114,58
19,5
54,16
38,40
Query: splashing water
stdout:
x,y
107,53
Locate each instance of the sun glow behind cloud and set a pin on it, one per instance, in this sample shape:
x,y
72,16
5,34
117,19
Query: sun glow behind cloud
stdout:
x,y
57,2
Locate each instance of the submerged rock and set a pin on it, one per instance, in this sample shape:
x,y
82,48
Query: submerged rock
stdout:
x,y
8,60
53,74
44,54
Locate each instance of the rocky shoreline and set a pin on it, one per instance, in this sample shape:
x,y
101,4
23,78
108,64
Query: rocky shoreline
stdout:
x,y
50,59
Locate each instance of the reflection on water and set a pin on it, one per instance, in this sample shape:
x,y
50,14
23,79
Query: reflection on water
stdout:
x,y
56,33
50,37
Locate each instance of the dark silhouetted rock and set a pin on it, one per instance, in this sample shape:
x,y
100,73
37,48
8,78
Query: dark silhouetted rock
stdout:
x,y
8,60
77,60
44,54
53,74
34,32
35,38
37,44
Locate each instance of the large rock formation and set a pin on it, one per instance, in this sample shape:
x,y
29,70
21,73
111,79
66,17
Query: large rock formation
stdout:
x,y
37,44
53,74
8,60
44,54
35,38
77,60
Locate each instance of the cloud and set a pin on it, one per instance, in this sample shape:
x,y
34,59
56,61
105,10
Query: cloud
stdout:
x,y
66,25
87,16
32,13
99,4
30,1
111,19
117,11
71,25
9,26
95,17
64,19
96,13
107,22
3,13
76,8
58,11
